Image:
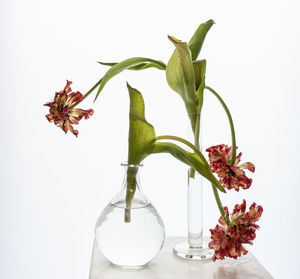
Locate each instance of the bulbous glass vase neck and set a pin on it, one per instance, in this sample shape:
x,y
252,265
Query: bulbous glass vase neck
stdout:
x,y
131,175
131,187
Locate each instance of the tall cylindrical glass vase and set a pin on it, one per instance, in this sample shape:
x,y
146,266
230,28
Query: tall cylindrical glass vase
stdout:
x,y
195,247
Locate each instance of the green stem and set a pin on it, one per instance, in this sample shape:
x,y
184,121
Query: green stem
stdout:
x,y
230,123
220,206
131,187
88,93
196,133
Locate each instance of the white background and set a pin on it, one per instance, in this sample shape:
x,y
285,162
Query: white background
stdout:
x,y
54,186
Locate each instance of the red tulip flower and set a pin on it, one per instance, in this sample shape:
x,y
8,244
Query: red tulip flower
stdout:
x,y
231,175
228,239
62,112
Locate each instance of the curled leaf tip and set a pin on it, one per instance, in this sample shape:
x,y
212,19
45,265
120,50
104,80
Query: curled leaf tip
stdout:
x,y
174,40
211,21
128,86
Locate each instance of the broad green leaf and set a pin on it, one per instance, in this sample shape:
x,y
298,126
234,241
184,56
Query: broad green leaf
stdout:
x,y
181,78
196,42
141,66
191,159
199,69
124,65
141,133
140,139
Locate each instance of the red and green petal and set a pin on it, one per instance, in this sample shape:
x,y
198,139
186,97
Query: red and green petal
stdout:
x,y
231,176
67,88
73,98
247,166
61,111
228,240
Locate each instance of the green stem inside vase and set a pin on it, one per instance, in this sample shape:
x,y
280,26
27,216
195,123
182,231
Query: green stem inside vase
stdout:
x,y
131,187
196,134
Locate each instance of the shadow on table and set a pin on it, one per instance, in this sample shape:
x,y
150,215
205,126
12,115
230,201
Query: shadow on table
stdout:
x,y
225,273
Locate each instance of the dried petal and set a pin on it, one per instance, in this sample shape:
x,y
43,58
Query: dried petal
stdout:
x,y
228,240
61,110
231,176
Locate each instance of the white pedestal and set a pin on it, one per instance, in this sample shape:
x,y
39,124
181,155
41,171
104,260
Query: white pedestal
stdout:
x,y
167,266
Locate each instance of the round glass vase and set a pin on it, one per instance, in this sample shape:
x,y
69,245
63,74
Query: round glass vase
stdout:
x,y
194,247
129,232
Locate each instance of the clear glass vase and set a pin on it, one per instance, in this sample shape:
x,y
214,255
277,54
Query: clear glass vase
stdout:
x,y
129,231
195,247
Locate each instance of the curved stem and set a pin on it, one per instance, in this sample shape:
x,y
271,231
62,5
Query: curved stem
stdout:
x,y
88,93
230,123
220,206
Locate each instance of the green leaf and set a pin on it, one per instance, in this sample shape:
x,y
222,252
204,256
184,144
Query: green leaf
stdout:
x,y
141,66
199,69
196,42
140,139
191,159
141,133
141,143
124,65
181,78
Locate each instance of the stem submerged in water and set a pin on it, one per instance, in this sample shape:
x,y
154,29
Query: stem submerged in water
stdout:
x,y
131,187
196,134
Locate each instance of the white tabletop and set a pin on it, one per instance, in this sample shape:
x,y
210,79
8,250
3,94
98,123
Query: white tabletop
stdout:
x,y
167,266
